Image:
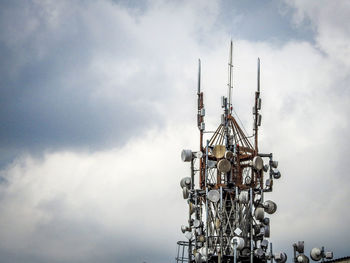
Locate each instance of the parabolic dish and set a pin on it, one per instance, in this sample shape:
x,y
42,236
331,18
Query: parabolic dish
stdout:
x,y
219,151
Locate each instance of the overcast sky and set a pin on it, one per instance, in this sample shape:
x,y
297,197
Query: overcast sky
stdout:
x,y
98,99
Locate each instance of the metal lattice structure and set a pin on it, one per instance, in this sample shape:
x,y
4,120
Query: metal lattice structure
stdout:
x,y
227,211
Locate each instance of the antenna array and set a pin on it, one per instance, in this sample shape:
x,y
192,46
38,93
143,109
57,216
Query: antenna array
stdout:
x,y
227,210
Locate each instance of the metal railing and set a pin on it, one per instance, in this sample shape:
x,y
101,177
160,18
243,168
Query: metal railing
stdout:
x,y
182,252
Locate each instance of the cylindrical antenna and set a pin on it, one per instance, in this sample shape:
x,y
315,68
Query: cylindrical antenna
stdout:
x,y
230,66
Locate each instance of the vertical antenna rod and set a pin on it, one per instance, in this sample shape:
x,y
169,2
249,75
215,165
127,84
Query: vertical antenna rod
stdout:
x,y
199,76
257,106
200,109
230,81
200,123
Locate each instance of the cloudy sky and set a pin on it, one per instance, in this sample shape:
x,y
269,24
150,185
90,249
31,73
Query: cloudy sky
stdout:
x,y
98,100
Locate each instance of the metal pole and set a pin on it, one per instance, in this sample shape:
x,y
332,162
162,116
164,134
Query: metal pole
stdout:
x,y
271,253
206,198
192,175
251,226
230,81
323,255
221,234
235,253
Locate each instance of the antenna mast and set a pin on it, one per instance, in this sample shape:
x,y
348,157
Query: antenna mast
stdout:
x,y
257,107
230,75
226,220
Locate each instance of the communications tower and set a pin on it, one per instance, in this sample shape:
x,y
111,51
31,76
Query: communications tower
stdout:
x,y
227,210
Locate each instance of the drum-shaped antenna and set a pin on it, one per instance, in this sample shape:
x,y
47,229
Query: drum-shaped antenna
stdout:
x,y
185,192
192,208
267,231
186,155
219,151
270,207
276,174
258,163
214,196
315,254
274,164
185,182
259,213
329,255
229,155
224,166
302,258
299,247
238,242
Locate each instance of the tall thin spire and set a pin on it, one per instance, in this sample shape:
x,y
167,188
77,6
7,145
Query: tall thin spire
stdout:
x,y
230,76
199,76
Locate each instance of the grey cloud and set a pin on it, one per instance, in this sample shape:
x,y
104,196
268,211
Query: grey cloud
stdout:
x,y
48,87
262,21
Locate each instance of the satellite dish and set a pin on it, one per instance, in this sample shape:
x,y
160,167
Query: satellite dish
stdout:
x,y
276,174
229,155
270,207
280,257
185,182
237,242
214,196
316,254
186,155
219,151
258,163
302,258
224,166
266,221
259,253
